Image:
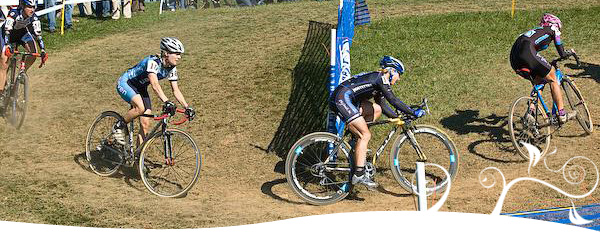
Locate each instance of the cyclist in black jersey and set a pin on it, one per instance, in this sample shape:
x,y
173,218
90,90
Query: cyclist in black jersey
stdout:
x,y
21,27
524,55
350,101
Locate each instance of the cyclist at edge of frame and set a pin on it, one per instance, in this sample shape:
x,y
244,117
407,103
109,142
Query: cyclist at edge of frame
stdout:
x,y
20,27
524,54
350,101
132,86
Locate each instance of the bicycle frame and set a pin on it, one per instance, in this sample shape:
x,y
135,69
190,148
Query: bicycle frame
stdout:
x,y
159,128
405,125
536,92
15,73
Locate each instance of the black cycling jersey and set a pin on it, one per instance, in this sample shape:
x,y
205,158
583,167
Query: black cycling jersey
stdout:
x,y
524,53
348,95
21,30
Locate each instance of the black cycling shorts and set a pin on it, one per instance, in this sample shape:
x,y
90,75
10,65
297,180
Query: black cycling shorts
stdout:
x,y
524,55
343,104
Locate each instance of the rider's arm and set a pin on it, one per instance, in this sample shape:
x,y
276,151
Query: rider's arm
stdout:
x,y
387,110
156,87
386,91
37,31
558,43
173,77
8,26
177,93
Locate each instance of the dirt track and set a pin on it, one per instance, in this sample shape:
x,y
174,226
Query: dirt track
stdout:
x,y
46,180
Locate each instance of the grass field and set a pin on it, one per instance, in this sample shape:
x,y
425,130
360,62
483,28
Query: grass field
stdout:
x,y
237,73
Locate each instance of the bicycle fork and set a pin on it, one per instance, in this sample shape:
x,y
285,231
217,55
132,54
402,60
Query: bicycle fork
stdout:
x,y
416,146
168,146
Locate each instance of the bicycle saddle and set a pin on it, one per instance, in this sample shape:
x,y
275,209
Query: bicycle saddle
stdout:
x,y
525,73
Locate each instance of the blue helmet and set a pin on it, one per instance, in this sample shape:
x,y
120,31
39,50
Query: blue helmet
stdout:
x,y
28,2
389,61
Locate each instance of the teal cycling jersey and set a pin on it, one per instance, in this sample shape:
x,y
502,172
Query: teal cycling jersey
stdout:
x,y
138,75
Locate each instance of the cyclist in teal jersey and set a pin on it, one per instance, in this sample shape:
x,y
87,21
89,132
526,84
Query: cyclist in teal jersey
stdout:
x,y
524,56
132,86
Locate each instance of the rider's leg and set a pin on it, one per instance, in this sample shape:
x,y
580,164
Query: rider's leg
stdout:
x,y
555,88
360,129
3,70
145,125
31,48
370,111
137,109
557,96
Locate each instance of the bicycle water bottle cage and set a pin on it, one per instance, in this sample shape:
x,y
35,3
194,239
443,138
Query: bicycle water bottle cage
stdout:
x,y
525,73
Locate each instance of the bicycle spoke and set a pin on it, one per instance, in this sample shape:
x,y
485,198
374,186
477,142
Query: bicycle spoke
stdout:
x,y
437,148
311,171
174,172
103,154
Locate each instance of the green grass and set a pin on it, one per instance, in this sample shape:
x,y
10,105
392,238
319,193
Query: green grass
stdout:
x,y
236,71
90,27
460,60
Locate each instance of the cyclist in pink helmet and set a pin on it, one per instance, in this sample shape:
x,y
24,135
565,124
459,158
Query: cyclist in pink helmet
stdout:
x,y
524,54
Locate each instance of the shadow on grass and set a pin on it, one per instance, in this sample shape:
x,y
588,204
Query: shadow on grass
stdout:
x,y
267,188
493,126
590,70
128,174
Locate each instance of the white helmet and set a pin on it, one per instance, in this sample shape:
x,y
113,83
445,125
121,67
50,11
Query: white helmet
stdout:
x,y
171,45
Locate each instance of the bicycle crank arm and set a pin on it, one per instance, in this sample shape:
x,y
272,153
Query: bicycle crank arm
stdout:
x,y
337,169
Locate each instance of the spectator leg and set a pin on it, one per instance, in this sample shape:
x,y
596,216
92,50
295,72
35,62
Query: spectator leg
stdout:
x,y
68,16
127,8
87,8
106,8
51,16
116,9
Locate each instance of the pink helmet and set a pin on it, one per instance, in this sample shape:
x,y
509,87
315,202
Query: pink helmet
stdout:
x,y
550,20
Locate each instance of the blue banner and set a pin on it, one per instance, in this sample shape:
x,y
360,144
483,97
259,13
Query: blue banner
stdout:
x,y
341,69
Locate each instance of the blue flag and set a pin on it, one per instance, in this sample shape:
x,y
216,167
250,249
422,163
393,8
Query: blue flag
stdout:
x,y
345,33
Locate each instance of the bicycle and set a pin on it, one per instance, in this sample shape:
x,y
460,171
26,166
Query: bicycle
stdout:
x,y
168,169
16,92
318,169
533,125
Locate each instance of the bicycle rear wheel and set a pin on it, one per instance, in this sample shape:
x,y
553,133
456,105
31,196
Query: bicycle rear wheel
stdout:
x,y
524,126
437,147
316,175
577,103
17,105
102,151
10,81
169,163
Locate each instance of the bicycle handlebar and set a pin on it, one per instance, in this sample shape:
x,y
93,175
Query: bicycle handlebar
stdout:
x,y
571,53
165,115
16,52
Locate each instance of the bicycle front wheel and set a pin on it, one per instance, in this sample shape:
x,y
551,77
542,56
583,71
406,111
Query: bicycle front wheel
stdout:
x,y
18,100
577,103
169,163
103,153
437,148
317,168
527,126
